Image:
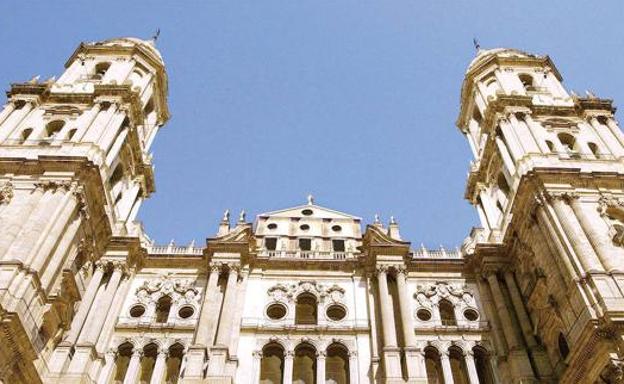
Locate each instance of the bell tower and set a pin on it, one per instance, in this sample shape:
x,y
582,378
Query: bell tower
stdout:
x,y
547,181
75,167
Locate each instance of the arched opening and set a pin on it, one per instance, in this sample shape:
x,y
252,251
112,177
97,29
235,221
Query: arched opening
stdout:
x,y
458,366
100,70
527,81
53,128
305,310
564,349
447,312
304,364
593,147
163,306
433,366
482,363
25,135
150,352
272,364
337,364
124,353
174,363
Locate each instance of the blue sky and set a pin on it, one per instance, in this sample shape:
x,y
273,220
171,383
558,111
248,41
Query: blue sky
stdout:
x,y
353,101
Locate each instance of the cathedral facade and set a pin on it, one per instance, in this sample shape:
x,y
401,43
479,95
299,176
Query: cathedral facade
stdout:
x,y
308,294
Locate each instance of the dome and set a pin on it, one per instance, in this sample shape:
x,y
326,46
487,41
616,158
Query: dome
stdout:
x,y
485,54
148,45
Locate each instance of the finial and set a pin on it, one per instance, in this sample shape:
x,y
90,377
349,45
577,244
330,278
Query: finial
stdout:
x,y
241,216
476,44
226,215
310,199
392,221
156,35
377,221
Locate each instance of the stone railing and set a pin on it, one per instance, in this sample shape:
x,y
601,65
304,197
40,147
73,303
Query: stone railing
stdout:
x,y
306,255
441,253
173,249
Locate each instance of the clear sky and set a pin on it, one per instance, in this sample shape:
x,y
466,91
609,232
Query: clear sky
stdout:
x,y
353,101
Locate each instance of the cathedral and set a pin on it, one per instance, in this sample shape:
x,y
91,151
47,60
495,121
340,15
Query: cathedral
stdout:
x,y
308,294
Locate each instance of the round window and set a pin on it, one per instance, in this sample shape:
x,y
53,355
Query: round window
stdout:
x,y
307,212
423,314
272,226
336,228
137,311
276,311
471,314
186,312
304,227
336,312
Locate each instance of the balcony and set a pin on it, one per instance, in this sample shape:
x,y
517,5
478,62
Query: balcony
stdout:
x,y
306,255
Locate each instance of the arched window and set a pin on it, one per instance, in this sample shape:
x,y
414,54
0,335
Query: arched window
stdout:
x,y
304,364
305,310
25,135
150,352
447,312
53,128
100,70
337,364
162,309
458,366
124,353
593,147
568,142
272,364
527,81
482,363
564,349
174,363
433,366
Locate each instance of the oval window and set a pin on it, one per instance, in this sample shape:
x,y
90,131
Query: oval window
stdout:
x,y
336,312
186,312
423,314
276,311
137,311
471,314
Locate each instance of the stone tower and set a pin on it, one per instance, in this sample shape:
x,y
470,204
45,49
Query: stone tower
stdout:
x,y
548,184
74,169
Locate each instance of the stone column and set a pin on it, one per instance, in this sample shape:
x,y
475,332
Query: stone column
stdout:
x,y
387,312
473,377
574,233
320,367
109,365
597,239
160,367
133,367
523,317
229,306
447,372
85,304
288,367
92,330
503,312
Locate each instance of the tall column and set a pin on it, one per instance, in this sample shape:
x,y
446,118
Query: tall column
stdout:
x,y
133,367
320,367
503,312
92,331
85,304
574,233
288,367
598,240
159,368
516,299
387,313
473,376
447,372
229,306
